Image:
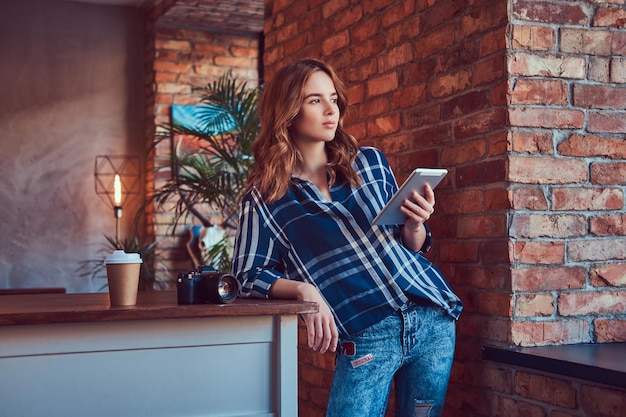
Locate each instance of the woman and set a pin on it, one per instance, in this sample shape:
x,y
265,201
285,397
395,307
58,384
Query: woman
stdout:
x,y
305,233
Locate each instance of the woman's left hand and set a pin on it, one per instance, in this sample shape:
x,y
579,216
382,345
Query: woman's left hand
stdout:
x,y
418,210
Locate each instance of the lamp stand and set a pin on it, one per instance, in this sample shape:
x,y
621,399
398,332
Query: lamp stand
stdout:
x,y
117,211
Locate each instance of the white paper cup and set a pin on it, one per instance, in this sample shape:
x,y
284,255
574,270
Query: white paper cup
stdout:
x,y
123,276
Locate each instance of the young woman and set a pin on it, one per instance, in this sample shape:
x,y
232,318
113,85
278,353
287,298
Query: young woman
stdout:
x,y
305,233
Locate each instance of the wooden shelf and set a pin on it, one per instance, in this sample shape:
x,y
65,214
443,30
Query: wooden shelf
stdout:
x,y
151,305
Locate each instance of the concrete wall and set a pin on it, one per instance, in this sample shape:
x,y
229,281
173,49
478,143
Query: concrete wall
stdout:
x,y
71,83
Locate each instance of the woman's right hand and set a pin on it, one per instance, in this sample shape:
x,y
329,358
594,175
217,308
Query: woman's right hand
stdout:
x,y
322,334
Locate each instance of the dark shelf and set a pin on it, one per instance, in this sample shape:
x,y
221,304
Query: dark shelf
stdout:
x,y
603,363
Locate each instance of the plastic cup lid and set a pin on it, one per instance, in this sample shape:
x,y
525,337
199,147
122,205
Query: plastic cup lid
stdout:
x,y
121,257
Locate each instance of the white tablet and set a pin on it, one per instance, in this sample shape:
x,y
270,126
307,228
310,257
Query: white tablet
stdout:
x,y
391,214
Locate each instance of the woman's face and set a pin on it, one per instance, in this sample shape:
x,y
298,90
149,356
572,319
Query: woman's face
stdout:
x,y
318,117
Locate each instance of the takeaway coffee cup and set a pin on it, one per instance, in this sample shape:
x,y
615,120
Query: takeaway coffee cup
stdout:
x,y
123,276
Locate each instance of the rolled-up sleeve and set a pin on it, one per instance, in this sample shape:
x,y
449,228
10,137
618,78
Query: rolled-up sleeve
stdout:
x,y
256,261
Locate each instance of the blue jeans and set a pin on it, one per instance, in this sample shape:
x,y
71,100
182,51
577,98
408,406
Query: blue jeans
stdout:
x,y
414,348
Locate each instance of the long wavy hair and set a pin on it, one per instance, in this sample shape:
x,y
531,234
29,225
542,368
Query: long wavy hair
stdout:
x,y
275,153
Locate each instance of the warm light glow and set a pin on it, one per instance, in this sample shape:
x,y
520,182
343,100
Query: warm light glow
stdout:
x,y
117,187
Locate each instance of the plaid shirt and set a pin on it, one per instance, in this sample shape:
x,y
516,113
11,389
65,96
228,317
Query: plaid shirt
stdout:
x,y
363,272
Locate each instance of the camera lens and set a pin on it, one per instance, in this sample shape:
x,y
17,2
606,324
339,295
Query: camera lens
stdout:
x,y
219,288
227,288
224,289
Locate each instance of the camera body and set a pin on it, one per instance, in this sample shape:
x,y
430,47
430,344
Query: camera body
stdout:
x,y
206,285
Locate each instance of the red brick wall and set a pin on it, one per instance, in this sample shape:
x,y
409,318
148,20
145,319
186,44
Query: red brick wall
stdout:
x,y
567,165
526,110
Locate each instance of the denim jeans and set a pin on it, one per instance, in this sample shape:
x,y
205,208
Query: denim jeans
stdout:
x,y
414,348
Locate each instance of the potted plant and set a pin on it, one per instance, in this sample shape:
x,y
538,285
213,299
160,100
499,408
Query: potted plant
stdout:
x,y
210,166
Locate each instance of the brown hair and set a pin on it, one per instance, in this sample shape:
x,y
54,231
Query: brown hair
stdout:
x,y
275,154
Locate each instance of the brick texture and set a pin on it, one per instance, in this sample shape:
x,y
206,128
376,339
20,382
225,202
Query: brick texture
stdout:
x,y
553,84
428,98
530,252
524,102
569,113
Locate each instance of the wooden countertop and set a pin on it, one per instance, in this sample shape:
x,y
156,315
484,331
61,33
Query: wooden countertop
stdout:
x,y
151,305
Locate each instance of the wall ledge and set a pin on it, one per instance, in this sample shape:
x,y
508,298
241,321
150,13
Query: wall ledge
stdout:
x,y
604,363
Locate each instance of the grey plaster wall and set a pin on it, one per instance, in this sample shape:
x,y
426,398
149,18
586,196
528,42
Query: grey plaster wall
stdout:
x,y
71,88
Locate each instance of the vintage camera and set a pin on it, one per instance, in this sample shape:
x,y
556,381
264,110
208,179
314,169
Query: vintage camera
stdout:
x,y
206,285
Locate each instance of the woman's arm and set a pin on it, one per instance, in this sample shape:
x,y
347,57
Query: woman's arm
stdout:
x,y
322,331
256,264
256,253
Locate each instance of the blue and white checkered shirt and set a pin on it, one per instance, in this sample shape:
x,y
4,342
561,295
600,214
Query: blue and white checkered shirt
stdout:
x,y
363,272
